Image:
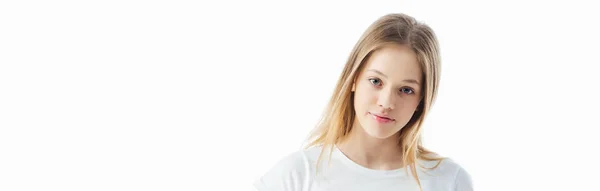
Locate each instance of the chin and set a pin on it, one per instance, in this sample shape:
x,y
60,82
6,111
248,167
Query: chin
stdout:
x,y
377,130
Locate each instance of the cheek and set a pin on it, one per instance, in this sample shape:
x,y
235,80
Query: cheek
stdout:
x,y
367,97
409,105
364,98
413,104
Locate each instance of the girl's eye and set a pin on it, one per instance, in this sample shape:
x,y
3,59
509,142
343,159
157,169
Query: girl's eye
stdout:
x,y
407,90
375,81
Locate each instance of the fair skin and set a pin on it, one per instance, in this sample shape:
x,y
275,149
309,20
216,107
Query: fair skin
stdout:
x,y
387,92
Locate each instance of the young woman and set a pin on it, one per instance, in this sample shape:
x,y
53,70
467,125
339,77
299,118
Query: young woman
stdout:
x,y
370,133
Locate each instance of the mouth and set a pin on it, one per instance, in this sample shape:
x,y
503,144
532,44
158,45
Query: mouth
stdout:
x,y
381,119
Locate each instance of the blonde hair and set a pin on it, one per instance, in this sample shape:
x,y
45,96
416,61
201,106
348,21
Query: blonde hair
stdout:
x,y
339,115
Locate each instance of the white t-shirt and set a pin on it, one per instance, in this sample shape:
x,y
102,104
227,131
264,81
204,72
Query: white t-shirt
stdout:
x,y
296,172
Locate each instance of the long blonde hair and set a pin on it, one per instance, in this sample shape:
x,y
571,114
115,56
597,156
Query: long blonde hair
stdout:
x,y
339,115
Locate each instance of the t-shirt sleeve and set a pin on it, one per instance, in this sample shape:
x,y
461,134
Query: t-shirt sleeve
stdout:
x,y
463,182
288,174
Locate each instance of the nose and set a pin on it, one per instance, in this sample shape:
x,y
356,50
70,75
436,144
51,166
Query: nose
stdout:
x,y
386,100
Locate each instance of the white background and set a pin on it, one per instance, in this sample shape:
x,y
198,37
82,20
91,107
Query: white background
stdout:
x,y
188,95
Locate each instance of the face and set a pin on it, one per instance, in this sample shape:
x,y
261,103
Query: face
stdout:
x,y
387,91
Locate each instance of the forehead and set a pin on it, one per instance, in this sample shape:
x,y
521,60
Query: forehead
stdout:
x,y
396,62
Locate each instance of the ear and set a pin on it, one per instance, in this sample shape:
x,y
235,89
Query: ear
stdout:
x,y
353,86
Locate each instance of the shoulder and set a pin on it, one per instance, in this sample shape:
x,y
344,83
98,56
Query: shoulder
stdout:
x,y
290,173
451,172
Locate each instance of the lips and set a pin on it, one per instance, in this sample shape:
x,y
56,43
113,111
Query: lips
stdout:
x,y
381,119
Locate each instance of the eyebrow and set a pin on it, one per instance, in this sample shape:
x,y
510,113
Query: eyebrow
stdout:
x,y
406,80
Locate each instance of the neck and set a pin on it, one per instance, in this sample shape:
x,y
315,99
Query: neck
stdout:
x,y
371,152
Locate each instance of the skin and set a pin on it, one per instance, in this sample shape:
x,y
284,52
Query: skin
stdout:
x,y
389,86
